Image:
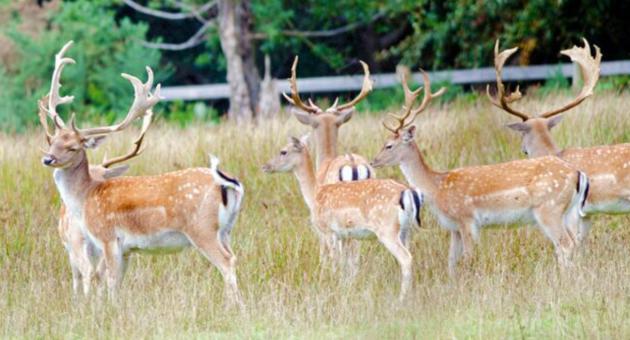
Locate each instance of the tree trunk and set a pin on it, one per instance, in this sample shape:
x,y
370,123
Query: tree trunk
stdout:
x,y
235,22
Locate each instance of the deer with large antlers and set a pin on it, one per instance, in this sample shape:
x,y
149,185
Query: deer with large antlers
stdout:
x,y
331,168
545,190
196,206
82,253
608,166
355,209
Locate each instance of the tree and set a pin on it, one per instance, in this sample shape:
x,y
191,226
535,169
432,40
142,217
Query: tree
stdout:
x,y
241,26
233,21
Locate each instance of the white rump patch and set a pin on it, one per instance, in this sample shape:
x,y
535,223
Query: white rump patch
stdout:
x,y
346,173
363,172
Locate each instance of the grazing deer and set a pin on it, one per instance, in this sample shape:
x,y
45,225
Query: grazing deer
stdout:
x,y
545,190
607,166
331,168
196,206
82,253
354,210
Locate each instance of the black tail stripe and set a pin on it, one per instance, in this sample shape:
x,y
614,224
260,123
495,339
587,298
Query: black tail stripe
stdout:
x,y
579,181
355,173
224,197
369,173
401,201
341,174
416,202
228,179
588,187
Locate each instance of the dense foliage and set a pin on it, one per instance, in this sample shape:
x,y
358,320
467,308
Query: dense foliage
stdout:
x,y
103,49
418,33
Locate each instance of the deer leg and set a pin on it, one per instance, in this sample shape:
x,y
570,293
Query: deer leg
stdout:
x,y
392,242
113,256
455,252
584,228
551,221
76,273
468,241
351,257
209,244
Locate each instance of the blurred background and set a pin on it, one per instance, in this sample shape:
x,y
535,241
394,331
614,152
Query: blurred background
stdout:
x,y
197,42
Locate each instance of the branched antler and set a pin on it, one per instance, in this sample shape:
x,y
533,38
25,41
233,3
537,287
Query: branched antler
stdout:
x,y
410,97
142,104
137,144
366,87
503,100
589,67
295,95
54,98
336,107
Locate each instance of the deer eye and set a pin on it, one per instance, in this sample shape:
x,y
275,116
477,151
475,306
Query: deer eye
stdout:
x,y
389,146
283,153
74,149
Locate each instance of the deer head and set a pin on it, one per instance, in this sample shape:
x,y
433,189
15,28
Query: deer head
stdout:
x,y
535,129
290,156
68,143
326,122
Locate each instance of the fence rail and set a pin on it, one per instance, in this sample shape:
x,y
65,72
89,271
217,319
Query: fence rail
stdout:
x,y
353,83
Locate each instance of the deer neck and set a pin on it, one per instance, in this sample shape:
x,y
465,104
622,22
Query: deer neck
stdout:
x,y
542,144
326,143
418,173
306,178
73,184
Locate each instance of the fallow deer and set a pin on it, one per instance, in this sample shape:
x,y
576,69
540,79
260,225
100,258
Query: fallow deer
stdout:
x,y
195,206
81,253
545,190
354,210
331,168
607,166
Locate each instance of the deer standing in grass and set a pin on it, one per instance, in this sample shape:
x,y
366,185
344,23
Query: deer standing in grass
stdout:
x,y
607,166
81,252
196,206
354,210
331,168
545,190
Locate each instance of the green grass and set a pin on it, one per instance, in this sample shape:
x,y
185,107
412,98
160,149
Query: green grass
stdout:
x,y
513,289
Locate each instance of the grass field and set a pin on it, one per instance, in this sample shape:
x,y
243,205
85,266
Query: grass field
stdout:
x,y
512,290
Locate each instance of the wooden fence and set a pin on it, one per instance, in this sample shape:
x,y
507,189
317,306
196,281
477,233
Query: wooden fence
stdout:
x,y
353,83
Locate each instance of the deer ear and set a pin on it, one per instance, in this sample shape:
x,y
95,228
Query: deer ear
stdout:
x,y
93,142
520,127
553,121
409,134
304,117
115,172
344,116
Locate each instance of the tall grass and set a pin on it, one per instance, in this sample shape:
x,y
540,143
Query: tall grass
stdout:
x,y
513,288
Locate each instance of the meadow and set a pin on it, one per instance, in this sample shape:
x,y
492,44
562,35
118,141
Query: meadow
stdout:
x,y
513,288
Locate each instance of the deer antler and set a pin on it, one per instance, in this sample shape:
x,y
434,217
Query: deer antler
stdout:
x,y
54,98
427,94
295,96
137,148
142,104
589,67
503,102
410,98
365,90
43,117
